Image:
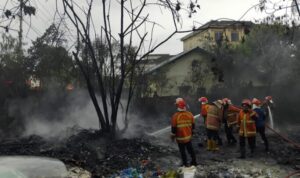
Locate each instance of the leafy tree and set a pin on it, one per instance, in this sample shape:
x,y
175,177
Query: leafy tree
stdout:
x,y
49,61
12,73
267,52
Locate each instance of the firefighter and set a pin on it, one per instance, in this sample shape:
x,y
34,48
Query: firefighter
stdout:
x,y
204,107
203,112
260,122
267,105
230,113
182,128
213,121
246,122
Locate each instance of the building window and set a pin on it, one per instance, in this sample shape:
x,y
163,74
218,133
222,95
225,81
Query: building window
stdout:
x,y
218,36
234,36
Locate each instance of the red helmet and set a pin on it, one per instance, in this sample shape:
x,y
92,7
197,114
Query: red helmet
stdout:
x,y
226,101
203,100
256,101
180,103
268,98
246,102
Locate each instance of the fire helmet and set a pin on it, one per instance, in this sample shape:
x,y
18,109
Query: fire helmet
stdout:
x,y
226,101
203,100
180,103
269,98
246,102
256,101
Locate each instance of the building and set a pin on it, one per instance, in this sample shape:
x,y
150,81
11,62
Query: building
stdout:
x,y
192,71
174,76
216,31
153,60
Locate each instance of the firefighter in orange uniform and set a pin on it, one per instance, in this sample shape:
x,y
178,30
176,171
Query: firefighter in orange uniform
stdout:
x,y
204,107
230,113
246,122
213,122
203,113
183,124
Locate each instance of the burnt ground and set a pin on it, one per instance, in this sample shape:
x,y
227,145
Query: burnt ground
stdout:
x,y
151,156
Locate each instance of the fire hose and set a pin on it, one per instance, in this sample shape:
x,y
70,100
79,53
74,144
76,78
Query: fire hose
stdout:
x,y
292,174
297,145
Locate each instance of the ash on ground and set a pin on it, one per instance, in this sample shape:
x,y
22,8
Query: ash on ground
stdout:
x,y
91,153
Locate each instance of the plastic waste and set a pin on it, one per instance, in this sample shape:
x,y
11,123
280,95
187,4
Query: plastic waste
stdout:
x,y
187,172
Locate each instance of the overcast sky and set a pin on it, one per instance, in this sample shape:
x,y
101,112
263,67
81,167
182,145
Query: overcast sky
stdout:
x,y
210,10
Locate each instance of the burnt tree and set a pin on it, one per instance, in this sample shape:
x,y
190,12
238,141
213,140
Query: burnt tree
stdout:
x,y
117,67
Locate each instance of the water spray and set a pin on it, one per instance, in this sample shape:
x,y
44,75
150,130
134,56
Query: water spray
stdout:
x,y
271,117
166,129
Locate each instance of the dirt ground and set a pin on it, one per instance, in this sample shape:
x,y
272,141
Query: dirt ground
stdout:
x,y
279,162
148,156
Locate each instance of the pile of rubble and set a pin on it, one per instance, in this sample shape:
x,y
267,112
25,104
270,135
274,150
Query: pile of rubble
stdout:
x,y
89,150
91,153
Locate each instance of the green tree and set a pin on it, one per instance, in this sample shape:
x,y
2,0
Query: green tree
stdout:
x,y
12,72
49,61
266,53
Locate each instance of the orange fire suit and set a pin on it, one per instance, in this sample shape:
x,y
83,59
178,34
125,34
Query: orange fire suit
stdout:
x,y
214,116
232,114
204,108
247,123
182,126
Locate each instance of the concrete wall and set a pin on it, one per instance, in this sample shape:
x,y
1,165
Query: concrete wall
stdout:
x,y
178,73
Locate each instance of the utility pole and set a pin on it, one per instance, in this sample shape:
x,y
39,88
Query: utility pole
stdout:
x,y
297,7
21,26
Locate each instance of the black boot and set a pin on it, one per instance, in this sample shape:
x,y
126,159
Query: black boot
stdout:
x,y
252,153
194,163
243,153
220,142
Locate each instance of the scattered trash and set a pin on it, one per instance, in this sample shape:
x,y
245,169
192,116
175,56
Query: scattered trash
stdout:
x,y
77,172
187,172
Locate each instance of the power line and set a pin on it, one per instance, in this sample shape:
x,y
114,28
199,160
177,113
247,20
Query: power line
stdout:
x,y
42,12
33,28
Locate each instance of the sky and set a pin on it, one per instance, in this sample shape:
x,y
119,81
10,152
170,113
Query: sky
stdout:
x,y
35,26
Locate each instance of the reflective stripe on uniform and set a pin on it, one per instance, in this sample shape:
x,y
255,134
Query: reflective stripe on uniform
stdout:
x,y
212,115
184,138
232,123
183,125
212,127
251,133
244,122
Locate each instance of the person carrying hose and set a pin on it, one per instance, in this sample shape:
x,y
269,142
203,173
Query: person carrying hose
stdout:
x,y
203,112
182,124
230,113
260,122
